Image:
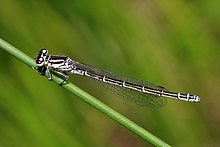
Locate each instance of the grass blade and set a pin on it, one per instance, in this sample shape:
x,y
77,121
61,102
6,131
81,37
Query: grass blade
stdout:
x,y
88,98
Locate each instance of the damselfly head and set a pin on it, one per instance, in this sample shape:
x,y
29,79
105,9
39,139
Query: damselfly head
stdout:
x,y
42,55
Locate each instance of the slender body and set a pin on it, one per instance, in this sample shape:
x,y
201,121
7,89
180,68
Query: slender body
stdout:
x,y
141,92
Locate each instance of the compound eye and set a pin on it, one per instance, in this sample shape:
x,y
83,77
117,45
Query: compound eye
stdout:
x,y
40,60
44,52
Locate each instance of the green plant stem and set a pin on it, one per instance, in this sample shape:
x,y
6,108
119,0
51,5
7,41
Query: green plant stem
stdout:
x,y
88,98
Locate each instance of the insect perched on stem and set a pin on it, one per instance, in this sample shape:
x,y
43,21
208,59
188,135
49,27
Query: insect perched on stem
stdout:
x,y
140,92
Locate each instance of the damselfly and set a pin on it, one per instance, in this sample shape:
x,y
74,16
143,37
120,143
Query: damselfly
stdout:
x,y
140,92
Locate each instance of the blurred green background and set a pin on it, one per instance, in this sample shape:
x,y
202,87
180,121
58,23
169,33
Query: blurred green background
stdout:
x,y
171,43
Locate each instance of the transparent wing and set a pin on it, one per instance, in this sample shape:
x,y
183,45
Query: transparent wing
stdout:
x,y
140,98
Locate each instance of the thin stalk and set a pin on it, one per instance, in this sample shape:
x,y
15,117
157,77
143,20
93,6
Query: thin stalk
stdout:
x,y
88,98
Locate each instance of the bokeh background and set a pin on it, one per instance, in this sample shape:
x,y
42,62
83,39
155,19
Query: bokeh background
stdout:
x,y
171,43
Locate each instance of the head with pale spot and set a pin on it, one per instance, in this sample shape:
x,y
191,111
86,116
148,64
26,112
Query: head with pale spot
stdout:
x,y
41,57
40,61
